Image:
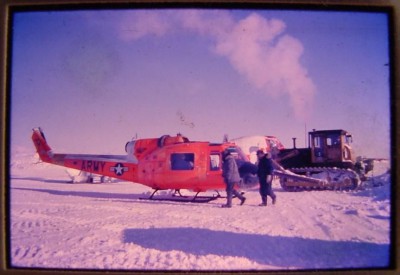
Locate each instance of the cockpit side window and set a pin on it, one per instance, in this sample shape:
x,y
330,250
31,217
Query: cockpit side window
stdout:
x,y
182,161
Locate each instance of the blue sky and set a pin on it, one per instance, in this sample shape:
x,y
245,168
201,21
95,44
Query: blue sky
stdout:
x,y
94,79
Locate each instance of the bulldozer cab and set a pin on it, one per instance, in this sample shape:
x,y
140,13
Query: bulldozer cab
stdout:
x,y
331,147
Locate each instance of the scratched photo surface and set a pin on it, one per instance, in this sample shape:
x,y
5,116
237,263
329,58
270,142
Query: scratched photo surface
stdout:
x,y
94,79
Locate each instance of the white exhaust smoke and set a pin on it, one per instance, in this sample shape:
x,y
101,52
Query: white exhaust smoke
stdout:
x,y
256,47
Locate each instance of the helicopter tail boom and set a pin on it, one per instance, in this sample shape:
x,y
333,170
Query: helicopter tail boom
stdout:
x,y
114,166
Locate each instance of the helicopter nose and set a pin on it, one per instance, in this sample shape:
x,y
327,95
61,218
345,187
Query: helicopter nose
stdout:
x,y
248,168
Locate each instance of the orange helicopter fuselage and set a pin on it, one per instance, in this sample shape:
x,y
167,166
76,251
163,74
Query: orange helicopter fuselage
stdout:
x,y
193,165
160,163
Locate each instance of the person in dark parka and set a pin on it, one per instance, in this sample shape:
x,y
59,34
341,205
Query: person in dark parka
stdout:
x,y
230,173
265,170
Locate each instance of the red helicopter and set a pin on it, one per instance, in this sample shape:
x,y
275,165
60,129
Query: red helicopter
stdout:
x,y
168,162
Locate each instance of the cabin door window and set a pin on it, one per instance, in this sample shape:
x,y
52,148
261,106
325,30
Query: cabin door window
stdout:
x,y
215,161
319,147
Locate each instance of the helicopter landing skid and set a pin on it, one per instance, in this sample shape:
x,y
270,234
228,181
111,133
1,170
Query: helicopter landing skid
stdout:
x,y
178,197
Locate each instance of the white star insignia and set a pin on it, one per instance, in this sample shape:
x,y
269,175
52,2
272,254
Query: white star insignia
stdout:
x,y
119,169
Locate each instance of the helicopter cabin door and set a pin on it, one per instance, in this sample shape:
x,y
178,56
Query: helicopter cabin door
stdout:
x,y
183,169
214,169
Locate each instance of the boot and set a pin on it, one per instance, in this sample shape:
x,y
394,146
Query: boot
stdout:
x,y
228,199
264,202
242,201
274,200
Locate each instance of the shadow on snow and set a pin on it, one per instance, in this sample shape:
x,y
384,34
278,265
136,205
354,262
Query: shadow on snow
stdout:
x,y
285,252
116,197
160,198
96,195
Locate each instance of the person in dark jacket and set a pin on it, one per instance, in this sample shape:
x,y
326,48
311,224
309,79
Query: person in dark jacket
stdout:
x,y
230,173
264,173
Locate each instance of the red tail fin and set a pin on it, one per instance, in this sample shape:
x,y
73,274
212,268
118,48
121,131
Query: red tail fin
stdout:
x,y
42,148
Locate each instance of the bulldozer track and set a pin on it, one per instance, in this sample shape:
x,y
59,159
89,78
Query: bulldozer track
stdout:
x,y
317,178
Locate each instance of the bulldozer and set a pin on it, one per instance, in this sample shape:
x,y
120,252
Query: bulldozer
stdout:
x,y
329,162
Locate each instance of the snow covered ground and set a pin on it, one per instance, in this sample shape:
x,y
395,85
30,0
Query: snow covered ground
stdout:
x,y
106,226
